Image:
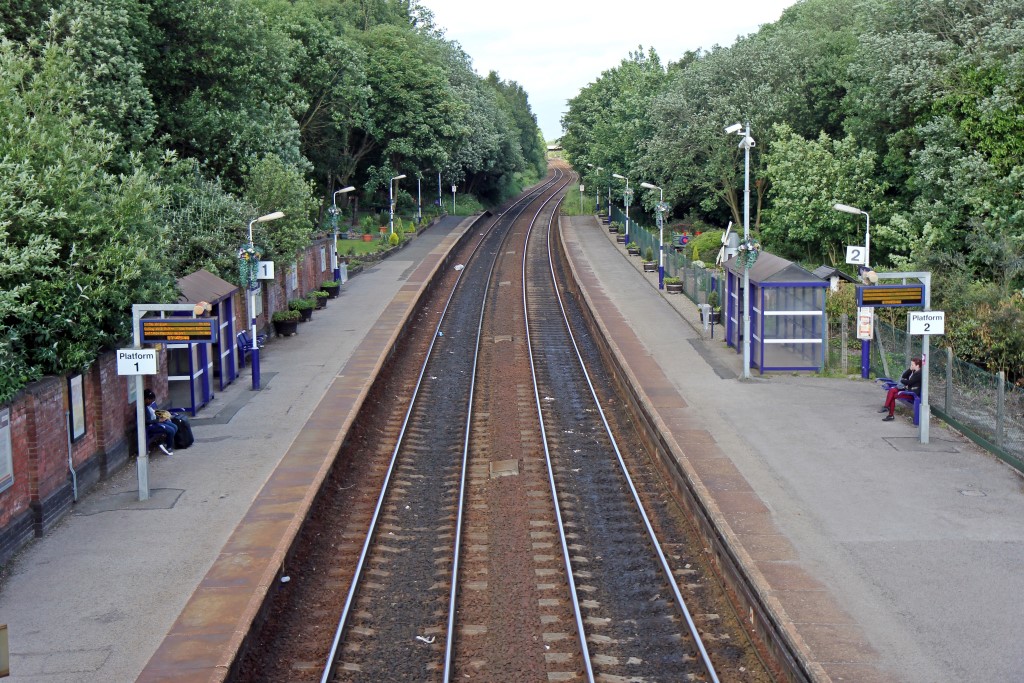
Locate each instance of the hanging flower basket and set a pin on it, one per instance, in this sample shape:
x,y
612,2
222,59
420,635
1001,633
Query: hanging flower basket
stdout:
x,y
248,265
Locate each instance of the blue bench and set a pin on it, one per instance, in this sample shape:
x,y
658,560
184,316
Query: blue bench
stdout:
x,y
908,398
245,346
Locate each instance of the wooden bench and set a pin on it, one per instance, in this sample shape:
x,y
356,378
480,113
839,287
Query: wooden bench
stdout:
x,y
245,346
908,398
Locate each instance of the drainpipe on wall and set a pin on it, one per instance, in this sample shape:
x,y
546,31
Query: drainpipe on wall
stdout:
x,y
71,462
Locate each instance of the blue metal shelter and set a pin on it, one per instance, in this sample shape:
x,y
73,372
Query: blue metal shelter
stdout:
x,y
787,318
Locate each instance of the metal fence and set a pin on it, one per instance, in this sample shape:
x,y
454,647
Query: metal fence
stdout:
x,y
978,402
697,281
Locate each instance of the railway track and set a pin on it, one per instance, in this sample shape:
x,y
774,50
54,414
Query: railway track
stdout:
x,y
437,536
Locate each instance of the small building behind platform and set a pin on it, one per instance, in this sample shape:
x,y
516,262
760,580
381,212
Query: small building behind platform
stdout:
x,y
788,329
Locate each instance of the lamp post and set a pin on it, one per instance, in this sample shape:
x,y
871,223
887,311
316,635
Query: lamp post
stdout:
x,y
867,228
745,144
597,197
661,232
419,200
334,226
627,198
865,347
391,201
250,284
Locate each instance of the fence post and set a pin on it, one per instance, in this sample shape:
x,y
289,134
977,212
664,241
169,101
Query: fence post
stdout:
x,y
1000,406
845,334
949,380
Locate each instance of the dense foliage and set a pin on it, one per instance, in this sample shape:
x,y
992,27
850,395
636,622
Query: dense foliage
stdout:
x,y
908,109
142,136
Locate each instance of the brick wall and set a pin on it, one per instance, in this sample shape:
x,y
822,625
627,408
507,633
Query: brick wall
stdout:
x,y
42,490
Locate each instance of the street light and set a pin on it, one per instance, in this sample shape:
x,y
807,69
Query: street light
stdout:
x,y
391,201
627,197
661,232
254,352
865,347
597,198
419,200
745,144
334,225
867,229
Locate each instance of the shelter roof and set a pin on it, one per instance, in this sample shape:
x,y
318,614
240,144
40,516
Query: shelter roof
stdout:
x,y
203,285
772,268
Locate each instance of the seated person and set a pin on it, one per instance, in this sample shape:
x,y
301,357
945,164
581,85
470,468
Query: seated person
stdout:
x,y
910,380
160,421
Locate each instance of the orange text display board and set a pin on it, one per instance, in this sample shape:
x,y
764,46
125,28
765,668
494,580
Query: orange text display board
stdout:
x,y
178,330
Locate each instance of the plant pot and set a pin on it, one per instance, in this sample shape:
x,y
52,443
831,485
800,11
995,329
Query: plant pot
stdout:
x,y
286,328
612,228
633,252
367,237
307,315
321,302
332,292
650,266
674,288
621,239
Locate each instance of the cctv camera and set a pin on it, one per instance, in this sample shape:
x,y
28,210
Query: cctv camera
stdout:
x,y
734,128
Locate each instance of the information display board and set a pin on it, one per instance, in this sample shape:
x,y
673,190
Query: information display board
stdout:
x,y
890,295
178,330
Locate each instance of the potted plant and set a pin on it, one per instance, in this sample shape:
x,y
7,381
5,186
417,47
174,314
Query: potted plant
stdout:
x,y
716,309
319,298
367,223
304,307
633,249
614,226
650,265
286,323
332,287
673,285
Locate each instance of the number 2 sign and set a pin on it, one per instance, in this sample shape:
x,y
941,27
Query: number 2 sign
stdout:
x,y
857,255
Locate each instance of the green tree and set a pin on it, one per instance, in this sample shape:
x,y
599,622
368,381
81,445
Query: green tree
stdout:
x,y
272,185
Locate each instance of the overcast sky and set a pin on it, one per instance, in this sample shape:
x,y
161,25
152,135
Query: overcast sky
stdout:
x,y
527,41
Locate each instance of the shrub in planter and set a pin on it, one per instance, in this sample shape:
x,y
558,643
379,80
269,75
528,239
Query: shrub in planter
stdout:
x,y
633,248
673,285
332,287
394,240
304,307
285,322
319,298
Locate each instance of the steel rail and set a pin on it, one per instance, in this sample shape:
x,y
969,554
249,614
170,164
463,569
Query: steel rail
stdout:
x,y
577,612
331,663
450,635
680,601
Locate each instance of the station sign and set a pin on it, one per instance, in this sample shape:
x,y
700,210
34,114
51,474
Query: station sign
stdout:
x,y
265,270
926,322
890,295
857,255
178,330
136,361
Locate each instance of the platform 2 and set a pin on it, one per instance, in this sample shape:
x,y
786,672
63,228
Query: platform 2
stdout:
x,y
882,558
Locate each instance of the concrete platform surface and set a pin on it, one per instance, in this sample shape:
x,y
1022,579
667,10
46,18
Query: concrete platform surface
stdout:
x,y
93,599
891,560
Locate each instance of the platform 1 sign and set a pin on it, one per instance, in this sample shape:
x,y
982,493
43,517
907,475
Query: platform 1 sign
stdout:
x,y
136,361
178,330
926,322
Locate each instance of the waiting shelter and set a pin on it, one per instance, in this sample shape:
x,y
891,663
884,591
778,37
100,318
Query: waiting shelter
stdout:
x,y
193,369
787,319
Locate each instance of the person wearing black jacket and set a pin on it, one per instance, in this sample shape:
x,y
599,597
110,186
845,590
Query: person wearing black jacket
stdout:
x,y
910,380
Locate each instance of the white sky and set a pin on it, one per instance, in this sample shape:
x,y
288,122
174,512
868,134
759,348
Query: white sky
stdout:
x,y
525,40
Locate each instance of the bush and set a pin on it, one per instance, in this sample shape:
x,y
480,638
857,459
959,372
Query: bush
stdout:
x,y
673,281
300,304
632,245
395,240
649,255
285,316
330,284
318,294
368,223
713,298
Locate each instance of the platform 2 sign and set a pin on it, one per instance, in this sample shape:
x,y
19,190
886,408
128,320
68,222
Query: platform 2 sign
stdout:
x,y
178,330
881,296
